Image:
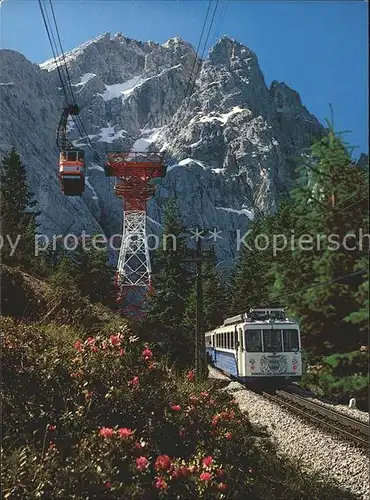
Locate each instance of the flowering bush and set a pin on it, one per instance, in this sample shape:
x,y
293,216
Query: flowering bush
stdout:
x,y
98,416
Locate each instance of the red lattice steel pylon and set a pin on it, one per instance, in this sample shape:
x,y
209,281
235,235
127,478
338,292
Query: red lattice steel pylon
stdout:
x,y
134,174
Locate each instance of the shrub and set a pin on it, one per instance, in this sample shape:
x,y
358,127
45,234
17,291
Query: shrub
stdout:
x,y
100,417
341,377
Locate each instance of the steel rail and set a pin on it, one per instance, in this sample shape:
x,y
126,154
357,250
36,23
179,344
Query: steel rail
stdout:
x,y
305,408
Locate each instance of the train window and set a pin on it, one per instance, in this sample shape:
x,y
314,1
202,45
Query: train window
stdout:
x,y
253,340
290,338
81,155
241,340
231,340
228,340
272,341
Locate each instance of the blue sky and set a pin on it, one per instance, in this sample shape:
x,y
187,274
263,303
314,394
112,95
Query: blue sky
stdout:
x,y
319,48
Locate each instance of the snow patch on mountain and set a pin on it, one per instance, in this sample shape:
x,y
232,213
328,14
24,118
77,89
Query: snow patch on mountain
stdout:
x,y
122,89
84,79
243,211
88,184
223,118
149,136
187,161
70,56
94,166
109,135
153,221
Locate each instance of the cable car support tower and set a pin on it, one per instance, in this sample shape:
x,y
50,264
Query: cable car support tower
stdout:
x,y
135,174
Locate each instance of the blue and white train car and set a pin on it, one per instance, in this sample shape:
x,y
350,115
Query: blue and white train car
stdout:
x,y
260,346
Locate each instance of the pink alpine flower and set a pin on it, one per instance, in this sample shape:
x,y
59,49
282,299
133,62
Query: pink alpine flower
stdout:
x,y
147,354
125,433
114,340
228,435
176,407
135,382
142,463
106,432
207,461
121,352
78,346
205,476
222,486
215,420
108,485
190,376
161,484
163,462
181,471
51,428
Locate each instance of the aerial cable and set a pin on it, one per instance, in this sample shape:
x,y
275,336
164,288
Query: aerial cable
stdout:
x,y
335,212
63,78
222,17
62,54
196,53
44,14
334,280
193,66
77,119
204,48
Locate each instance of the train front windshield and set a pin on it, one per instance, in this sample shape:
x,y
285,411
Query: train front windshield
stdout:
x,y
273,340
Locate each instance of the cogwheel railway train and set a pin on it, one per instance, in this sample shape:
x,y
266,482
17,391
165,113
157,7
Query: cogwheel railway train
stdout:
x,y
260,347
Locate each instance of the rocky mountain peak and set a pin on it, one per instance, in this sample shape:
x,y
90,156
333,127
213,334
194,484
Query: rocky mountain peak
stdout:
x,y
229,138
227,50
176,43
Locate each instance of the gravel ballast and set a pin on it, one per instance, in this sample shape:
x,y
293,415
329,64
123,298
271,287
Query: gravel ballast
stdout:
x,y
315,449
349,412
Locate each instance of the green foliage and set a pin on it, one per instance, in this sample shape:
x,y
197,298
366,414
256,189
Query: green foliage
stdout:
x,y
215,298
18,220
321,282
101,417
306,276
341,377
216,303
172,280
88,272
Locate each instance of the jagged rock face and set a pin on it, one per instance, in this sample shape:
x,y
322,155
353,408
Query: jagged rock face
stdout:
x,y
230,143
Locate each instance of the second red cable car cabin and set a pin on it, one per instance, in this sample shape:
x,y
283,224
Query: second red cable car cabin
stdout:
x,y
72,172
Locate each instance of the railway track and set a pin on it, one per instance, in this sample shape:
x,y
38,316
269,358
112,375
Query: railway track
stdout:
x,y
347,427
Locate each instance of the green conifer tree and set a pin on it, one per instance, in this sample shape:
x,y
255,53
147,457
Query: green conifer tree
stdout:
x,y
250,284
18,220
172,280
329,205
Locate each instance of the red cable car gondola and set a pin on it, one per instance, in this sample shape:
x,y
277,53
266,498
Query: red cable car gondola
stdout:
x,y
71,160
